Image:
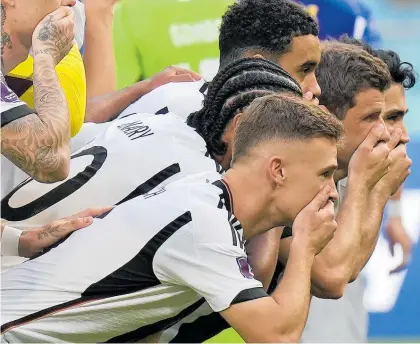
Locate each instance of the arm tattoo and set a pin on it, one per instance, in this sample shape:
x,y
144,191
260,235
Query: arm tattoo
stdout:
x,y
5,38
39,144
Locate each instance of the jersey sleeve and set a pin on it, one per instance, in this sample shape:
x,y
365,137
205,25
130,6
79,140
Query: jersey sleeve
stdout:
x,y
210,259
12,108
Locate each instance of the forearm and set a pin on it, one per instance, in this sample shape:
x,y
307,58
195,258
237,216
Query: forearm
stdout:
x,y
293,294
39,143
334,267
99,56
262,253
371,225
105,108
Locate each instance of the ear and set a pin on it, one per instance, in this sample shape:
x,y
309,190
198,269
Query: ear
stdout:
x,y
276,171
235,121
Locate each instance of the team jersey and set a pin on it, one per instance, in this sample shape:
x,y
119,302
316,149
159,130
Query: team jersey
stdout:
x,y
338,17
133,155
141,268
151,35
181,98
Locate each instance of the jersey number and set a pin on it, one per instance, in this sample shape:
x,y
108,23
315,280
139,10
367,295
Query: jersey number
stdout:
x,y
73,184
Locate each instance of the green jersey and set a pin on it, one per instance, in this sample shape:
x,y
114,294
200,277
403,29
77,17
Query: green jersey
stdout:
x,y
150,35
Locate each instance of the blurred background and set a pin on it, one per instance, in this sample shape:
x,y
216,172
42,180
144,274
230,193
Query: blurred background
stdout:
x,y
149,35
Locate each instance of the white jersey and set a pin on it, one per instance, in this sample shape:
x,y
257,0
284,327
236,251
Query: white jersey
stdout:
x,y
182,98
141,268
134,155
12,108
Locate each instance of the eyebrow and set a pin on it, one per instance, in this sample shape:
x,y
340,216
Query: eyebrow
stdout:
x,y
309,64
396,111
328,168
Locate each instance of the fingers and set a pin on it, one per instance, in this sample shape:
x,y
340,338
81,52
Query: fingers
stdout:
x,y
194,75
373,137
322,197
395,139
91,212
182,78
71,225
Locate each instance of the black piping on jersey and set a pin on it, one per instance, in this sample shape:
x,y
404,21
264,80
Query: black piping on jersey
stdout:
x,y
219,167
203,89
14,114
201,329
125,280
162,111
145,331
131,114
248,295
19,85
226,201
58,193
208,326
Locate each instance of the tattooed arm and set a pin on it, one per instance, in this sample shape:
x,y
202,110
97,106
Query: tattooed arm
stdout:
x,y
29,243
39,143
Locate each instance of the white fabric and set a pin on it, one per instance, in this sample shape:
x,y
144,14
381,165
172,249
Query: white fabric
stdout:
x,y
181,98
192,257
10,241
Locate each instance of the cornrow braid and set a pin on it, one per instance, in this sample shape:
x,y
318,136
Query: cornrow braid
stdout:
x,y
232,90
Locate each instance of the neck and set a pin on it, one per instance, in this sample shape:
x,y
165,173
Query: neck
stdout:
x,y
13,52
251,202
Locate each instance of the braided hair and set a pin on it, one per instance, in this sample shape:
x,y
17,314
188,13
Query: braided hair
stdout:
x,y
234,88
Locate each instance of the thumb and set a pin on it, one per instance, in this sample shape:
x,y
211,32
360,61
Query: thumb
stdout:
x,y
321,198
395,139
373,137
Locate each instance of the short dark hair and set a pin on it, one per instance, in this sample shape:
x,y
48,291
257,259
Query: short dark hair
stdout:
x,y
344,71
401,72
283,117
234,88
262,26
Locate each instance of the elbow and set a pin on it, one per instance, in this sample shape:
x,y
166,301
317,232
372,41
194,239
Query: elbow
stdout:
x,y
60,170
329,286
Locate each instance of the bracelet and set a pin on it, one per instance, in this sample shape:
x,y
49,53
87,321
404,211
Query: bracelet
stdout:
x,y
10,241
394,208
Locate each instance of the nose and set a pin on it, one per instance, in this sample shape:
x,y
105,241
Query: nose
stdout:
x,y
313,86
68,2
405,138
386,136
334,192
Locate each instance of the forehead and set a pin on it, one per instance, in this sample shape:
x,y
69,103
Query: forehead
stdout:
x,y
368,101
395,98
303,49
317,152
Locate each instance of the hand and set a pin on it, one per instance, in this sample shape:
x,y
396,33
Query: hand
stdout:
x,y
54,35
315,225
399,170
172,74
34,241
371,161
397,235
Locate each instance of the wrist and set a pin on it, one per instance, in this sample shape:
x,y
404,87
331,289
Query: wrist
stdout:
x,y
99,14
300,247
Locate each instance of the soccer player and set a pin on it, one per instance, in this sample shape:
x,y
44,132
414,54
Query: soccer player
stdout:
x,y
360,107
38,143
151,150
178,248
249,28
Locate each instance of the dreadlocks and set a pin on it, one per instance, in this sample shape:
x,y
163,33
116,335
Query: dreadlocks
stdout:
x,y
233,89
